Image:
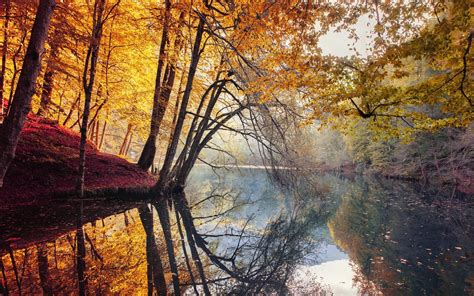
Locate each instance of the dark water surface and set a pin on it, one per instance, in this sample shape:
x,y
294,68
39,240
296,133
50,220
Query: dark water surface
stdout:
x,y
317,235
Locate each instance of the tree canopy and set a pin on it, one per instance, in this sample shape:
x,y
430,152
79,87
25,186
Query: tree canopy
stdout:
x,y
254,68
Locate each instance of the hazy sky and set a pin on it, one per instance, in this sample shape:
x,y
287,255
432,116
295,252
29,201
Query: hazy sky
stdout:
x,y
339,44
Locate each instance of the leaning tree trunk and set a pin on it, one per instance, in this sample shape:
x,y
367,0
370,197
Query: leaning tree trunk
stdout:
x,y
170,153
21,106
149,150
88,84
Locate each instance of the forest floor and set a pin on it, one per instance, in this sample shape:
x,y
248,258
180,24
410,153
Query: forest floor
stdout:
x,y
46,166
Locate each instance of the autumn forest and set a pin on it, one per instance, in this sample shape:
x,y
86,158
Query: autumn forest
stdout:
x,y
181,123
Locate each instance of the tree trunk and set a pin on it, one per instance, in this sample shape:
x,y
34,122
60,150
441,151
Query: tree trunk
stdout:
x,y
3,282
185,252
129,144
176,108
21,106
14,60
124,142
155,271
163,214
88,83
91,131
183,209
4,57
73,107
102,136
48,83
43,269
127,150
188,155
196,54
96,138
81,252
149,150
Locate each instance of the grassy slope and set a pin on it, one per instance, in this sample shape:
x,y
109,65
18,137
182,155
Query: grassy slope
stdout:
x,y
46,165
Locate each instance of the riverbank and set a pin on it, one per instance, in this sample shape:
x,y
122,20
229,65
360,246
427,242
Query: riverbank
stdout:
x,y
462,178
46,166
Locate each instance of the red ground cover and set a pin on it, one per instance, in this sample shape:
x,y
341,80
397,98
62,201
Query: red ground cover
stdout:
x,y
46,164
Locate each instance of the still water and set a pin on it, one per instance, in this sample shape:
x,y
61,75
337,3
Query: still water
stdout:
x,y
314,235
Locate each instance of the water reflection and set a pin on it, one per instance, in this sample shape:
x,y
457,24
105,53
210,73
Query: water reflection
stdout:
x,y
238,233
406,241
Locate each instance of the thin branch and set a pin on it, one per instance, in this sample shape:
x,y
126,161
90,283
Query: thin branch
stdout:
x,y
464,70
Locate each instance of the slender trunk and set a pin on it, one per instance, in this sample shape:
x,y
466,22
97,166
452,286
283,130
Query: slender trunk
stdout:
x,y
99,92
96,139
73,107
149,150
5,246
155,271
183,209
196,53
4,56
176,108
97,106
43,269
129,144
124,142
185,252
163,214
48,83
194,136
185,169
60,105
88,83
91,130
102,136
81,252
14,60
4,282
21,106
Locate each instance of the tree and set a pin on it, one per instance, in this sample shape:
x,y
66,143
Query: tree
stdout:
x,y
99,17
48,80
196,53
414,75
159,103
21,105
230,96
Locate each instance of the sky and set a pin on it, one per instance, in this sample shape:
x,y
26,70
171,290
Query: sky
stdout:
x,y
339,44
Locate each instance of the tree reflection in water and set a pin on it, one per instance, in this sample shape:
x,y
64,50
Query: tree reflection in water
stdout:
x,y
246,237
87,247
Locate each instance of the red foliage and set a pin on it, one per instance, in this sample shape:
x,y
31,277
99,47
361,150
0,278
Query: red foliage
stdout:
x,y
47,164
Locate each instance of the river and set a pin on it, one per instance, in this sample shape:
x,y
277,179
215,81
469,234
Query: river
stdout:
x,y
313,235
